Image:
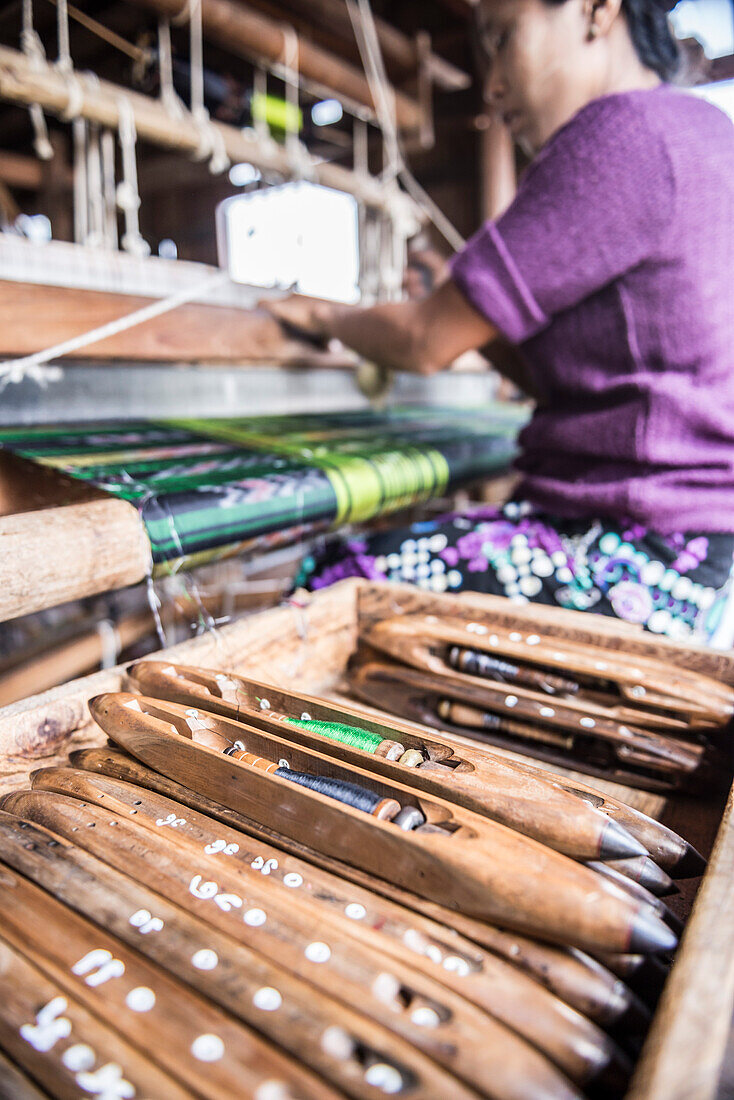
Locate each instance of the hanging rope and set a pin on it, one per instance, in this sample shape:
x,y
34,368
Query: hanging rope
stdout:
x,y
211,144
63,60
128,196
368,43
95,192
109,190
32,47
169,97
81,208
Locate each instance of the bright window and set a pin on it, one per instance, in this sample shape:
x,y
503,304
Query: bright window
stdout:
x,y
298,236
710,21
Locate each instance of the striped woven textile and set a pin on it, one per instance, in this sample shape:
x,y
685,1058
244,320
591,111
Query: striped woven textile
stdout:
x,y
210,488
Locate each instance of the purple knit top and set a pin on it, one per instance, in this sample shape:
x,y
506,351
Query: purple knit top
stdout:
x,y
614,271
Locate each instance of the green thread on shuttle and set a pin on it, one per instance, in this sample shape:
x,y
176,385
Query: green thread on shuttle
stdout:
x,y
355,736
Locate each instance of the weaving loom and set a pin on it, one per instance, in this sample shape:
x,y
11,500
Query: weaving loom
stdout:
x,y
206,488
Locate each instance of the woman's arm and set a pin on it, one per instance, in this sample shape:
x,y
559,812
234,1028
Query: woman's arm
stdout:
x,y
422,336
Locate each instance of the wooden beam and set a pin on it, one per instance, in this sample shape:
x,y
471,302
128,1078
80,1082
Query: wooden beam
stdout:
x,y
399,50
71,658
255,36
24,82
34,316
62,539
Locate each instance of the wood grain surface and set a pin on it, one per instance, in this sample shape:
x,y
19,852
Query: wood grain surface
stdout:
x,y
309,648
61,540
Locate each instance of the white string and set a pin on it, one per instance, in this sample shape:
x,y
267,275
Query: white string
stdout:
x,y
63,61
196,57
260,89
75,96
32,47
109,643
169,98
108,190
15,370
211,140
79,137
128,196
95,193
368,43
291,64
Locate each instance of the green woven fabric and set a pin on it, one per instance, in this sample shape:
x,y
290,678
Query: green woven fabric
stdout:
x,y
206,488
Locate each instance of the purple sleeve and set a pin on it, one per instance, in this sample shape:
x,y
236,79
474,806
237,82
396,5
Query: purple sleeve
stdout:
x,y
592,206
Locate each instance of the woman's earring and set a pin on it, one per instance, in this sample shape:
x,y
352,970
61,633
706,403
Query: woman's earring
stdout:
x,y
593,30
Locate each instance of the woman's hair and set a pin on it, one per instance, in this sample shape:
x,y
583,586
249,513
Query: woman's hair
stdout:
x,y
651,34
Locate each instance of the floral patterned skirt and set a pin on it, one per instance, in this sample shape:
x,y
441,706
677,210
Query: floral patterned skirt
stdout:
x,y
676,585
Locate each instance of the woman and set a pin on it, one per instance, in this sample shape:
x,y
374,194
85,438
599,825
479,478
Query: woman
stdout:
x,y
612,272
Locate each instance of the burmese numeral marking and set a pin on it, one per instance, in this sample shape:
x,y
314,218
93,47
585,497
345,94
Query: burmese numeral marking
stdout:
x,y
203,890
145,922
107,1082
98,966
171,820
227,902
207,891
264,866
218,846
50,1026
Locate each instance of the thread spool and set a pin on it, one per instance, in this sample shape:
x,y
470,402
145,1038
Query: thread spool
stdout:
x,y
493,668
411,759
253,761
355,736
387,809
360,798
409,818
457,714
352,794
390,750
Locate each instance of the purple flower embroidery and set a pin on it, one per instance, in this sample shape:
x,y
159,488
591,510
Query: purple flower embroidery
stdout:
x,y
631,601
470,545
450,555
694,553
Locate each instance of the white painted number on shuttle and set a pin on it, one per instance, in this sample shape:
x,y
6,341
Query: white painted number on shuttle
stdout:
x,y
106,1082
50,1026
171,820
146,922
98,966
206,891
218,846
264,866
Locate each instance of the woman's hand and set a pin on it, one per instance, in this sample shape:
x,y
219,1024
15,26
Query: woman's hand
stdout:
x,y
309,316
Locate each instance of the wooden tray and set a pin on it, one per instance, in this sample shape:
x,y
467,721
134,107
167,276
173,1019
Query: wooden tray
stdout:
x,y
306,646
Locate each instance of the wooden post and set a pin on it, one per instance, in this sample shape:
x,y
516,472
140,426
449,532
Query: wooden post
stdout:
x,y
498,178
